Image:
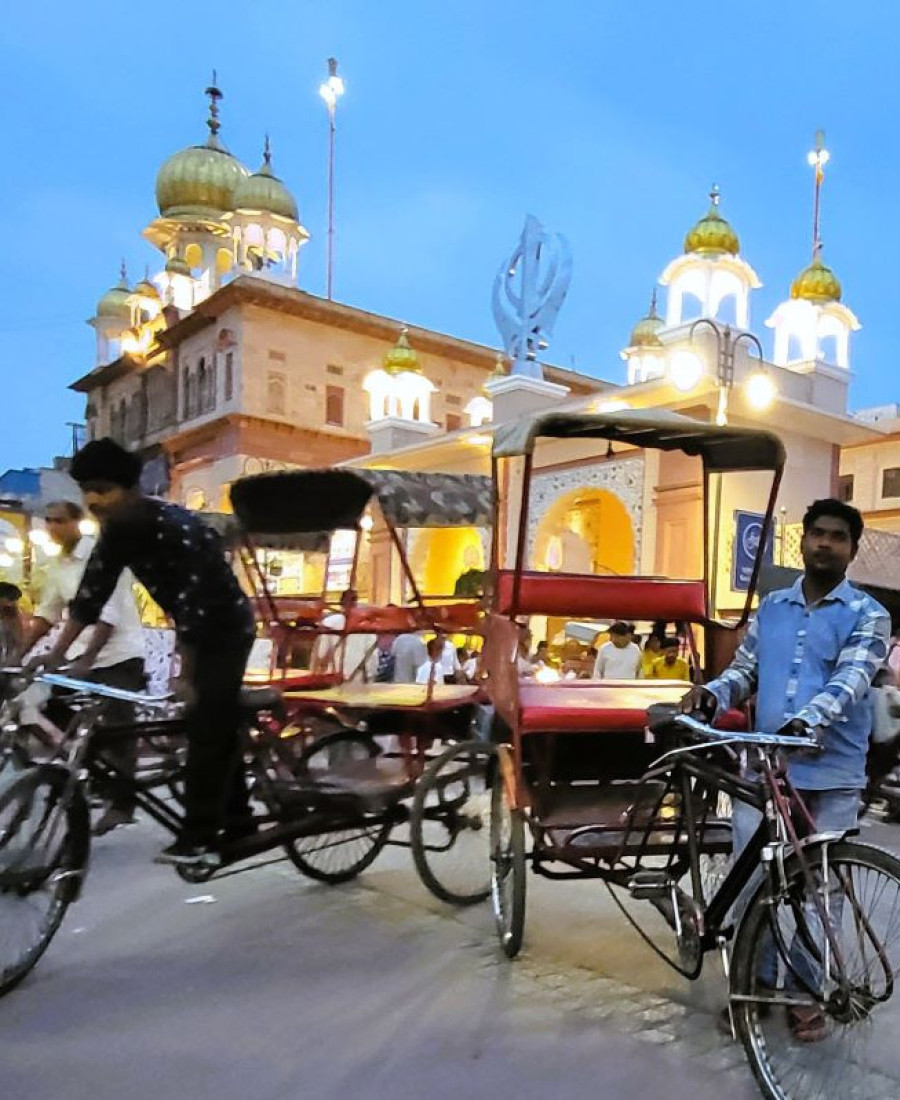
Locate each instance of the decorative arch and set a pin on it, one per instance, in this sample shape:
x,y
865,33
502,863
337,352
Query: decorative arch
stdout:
x,y
622,479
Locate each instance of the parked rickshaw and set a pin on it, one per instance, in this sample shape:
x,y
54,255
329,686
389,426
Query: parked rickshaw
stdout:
x,y
607,792
411,745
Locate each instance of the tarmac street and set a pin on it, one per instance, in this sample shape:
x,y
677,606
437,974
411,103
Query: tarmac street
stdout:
x,y
269,986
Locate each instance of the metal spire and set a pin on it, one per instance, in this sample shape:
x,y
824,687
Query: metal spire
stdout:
x,y
817,158
212,122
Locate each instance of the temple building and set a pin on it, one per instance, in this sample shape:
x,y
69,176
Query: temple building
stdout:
x,y
218,365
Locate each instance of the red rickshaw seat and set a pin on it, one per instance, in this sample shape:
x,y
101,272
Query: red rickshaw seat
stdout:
x,y
589,597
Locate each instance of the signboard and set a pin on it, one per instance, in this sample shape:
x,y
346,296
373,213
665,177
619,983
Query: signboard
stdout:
x,y
748,528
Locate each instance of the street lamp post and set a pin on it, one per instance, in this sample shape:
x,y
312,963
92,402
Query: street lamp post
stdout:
x,y
331,90
726,342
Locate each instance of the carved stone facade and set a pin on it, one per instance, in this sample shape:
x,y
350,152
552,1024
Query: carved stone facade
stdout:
x,y
624,477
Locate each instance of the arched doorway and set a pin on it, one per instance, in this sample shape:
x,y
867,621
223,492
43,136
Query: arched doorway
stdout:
x,y
585,531
440,555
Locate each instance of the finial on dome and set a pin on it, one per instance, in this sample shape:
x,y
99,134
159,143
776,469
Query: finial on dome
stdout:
x,y
215,94
402,358
267,152
123,274
714,195
653,312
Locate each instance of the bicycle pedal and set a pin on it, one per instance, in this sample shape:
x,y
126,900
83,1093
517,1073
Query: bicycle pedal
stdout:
x,y
645,885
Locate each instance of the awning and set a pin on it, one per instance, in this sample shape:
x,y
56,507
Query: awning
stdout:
x,y
293,501
230,529
721,448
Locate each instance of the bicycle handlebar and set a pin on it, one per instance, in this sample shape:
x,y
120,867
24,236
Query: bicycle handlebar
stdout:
x,y
708,733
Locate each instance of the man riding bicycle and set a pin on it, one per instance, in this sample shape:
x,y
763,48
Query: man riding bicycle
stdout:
x,y
181,562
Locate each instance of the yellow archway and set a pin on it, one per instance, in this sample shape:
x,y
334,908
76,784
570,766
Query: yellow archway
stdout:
x,y
585,531
441,555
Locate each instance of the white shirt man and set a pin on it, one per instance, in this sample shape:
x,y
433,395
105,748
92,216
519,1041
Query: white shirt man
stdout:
x,y
126,641
619,658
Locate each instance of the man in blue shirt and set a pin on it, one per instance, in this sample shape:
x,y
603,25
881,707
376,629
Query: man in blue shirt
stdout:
x,y
809,657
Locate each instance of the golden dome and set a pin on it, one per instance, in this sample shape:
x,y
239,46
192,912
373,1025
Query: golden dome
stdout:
x,y
817,283
712,235
146,289
501,370
176,266
264,191
114,303
401,357
645,333
201,180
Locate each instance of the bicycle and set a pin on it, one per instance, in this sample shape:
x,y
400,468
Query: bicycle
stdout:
x,y
822,917
328,829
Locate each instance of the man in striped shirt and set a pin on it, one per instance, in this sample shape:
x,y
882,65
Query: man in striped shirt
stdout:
x,y
809,658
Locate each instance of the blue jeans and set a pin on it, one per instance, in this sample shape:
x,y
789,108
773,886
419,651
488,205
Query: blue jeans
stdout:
x,y
832,811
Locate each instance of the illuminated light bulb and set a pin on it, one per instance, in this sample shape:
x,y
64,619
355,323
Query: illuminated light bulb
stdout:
x,y
87,526
759,389
546,675
613,405
52,550
685,370
38,537
366,523
14,545
5,561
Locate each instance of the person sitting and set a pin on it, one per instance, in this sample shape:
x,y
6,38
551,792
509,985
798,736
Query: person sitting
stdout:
x,y
670,666
432,669
650,654
619,658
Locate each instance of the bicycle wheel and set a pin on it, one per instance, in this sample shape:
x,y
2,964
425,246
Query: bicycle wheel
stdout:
x,y
346,850
450,824
44,843
507,840
845,1004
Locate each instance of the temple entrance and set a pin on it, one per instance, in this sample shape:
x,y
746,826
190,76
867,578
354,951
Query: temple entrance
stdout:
x,y
585,531
440,556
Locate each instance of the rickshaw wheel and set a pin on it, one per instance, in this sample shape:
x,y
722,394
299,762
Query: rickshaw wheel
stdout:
x,y
507,870
450,809
341,855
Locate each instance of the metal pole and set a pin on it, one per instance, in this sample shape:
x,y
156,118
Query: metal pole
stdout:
x,y
329,278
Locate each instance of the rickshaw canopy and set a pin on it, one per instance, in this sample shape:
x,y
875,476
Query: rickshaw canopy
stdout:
x,y
721,448
307,501
231,530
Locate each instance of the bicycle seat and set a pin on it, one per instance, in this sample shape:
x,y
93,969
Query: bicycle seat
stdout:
x,y
255,699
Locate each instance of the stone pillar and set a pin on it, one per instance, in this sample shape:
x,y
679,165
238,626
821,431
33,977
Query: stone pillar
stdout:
x,y
517,395
392,432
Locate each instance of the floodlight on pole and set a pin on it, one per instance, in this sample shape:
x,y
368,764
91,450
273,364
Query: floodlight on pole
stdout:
x,y
331,90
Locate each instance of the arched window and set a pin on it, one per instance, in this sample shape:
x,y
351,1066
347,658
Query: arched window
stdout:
x,y
193,256
203,403
276,393
188,394
229,375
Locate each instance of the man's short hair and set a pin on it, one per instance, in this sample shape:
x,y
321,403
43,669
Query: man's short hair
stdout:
x,y
107,462
10,591
838,510
72,510
619,628
670,643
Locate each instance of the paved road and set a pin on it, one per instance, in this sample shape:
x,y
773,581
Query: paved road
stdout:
x,y
265,985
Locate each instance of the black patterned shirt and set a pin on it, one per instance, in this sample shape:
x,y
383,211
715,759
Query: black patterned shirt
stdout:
x,y
181,562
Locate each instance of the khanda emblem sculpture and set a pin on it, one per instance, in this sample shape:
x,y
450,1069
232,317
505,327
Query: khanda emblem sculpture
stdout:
x,y
528,293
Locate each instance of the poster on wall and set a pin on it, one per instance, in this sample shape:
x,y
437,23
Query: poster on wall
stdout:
x,y
748,528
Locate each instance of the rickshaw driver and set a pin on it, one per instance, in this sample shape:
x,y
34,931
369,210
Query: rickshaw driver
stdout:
x,y
809,656
180,560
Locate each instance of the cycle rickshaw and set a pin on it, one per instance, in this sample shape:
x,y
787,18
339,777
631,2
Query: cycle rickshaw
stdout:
x,y
407,744
612,784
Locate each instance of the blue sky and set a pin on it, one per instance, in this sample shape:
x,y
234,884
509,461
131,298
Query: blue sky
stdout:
x,y
607,121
